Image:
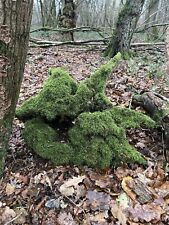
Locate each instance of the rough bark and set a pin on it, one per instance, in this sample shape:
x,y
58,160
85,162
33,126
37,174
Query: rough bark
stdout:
x,y
125,26
67,18
14,36
167,48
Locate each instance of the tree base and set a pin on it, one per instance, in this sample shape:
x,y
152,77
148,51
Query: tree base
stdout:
x,y
95,130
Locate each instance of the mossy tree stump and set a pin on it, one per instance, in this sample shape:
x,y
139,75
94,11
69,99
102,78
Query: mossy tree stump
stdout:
x,y
70,123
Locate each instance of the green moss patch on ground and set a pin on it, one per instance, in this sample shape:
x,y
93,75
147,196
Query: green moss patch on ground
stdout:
x,y
44,141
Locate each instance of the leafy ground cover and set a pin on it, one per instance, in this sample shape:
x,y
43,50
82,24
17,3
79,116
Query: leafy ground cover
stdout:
x,y
33,191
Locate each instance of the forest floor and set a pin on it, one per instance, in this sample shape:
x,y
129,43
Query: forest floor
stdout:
x,y
34,192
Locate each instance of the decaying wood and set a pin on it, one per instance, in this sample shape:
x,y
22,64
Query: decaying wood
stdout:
x,y
103,41
45,43
65,30
144,195
157,107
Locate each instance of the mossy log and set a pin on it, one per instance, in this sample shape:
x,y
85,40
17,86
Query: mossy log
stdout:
x,y
62,97
157,106
70,123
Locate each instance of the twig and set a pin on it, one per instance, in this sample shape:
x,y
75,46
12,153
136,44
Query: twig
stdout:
x,y
150,26
15,218
164,150
161,96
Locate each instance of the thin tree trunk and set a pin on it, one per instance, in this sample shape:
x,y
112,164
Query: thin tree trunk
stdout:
x,y
125,26
14,36
167,48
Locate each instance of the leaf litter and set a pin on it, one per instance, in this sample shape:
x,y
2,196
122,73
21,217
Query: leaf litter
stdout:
x,y
33,191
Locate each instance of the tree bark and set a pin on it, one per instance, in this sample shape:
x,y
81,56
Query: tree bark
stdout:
x,y
67,18
14,37
125,26
167,49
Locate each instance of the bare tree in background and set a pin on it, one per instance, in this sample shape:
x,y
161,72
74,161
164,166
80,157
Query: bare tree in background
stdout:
x,y
152,18
14,35
67,18
48,12
125,26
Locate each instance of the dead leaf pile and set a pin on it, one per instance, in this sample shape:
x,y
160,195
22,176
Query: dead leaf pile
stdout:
x,y
33,191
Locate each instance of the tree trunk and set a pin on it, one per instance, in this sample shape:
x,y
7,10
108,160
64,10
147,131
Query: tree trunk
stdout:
x,y
125,26
14,35
67,18
151,18
167,49
48,12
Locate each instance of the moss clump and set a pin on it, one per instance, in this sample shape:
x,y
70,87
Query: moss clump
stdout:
x,y
44,141
128,118
95,135
62,97
97,140
53,100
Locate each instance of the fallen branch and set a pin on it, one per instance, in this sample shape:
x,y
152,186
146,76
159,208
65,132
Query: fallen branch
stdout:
x,y
151,26
156,106
146,44
65,30
45,43
103,41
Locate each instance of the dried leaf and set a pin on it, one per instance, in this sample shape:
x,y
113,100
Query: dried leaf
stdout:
x,y
68,188
7,215
126,184
147,213
98,200
117,212
10,189
66,219
43,179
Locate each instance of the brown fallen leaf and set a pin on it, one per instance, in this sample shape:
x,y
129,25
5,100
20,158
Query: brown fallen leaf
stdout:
x,y
163,190
147,213
69,186
43,179
10,189
117,212
98,200
126,184
99,218
7,215
21,216
66,219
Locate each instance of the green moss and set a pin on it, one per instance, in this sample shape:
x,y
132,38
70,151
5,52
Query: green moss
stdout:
x,y
28,109
94,153
82,100
62,97
53,100
3,48
128,118
96,136
97,141
97,80
97,123
43,140
123,151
